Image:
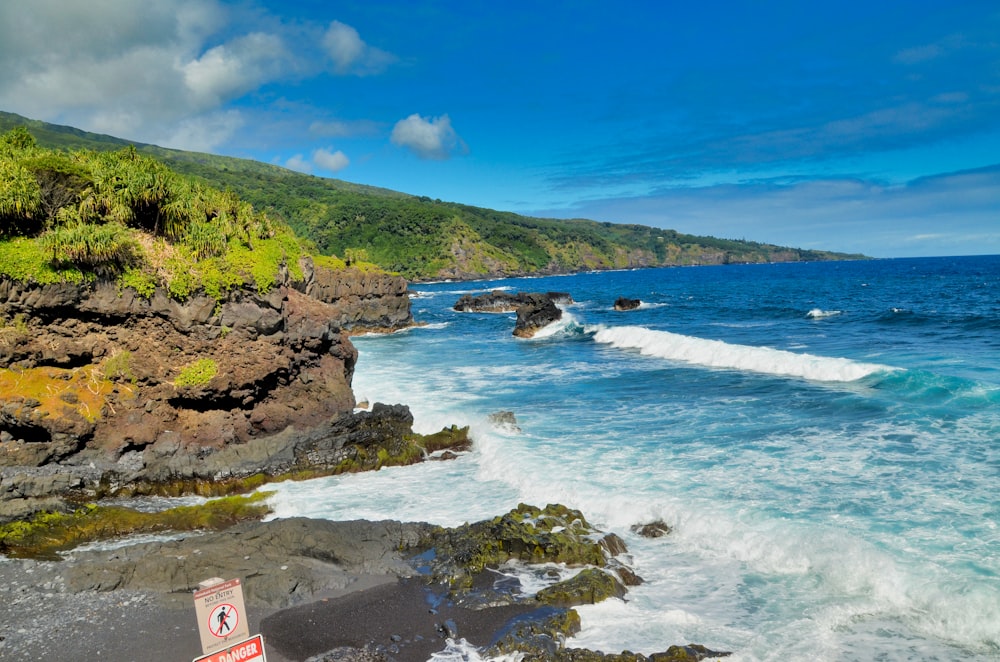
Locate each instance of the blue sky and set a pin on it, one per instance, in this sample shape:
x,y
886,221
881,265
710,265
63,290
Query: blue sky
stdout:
x,y
868,127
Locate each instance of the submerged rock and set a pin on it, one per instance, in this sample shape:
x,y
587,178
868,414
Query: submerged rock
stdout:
x,y
655,529
505,420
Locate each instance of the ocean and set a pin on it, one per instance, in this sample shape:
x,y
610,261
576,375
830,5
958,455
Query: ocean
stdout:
x,y
823,439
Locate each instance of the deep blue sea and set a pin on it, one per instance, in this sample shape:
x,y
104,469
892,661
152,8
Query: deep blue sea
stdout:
x,y
824,439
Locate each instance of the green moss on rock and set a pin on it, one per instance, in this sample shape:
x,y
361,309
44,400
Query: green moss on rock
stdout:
x,y
536,635
554,534
589,586
46,534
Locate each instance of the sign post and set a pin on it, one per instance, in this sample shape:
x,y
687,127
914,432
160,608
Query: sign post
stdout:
x,y
222,618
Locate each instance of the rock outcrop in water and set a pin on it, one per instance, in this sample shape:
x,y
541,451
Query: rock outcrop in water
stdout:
x,y
535,314
105,389
500,301
624,303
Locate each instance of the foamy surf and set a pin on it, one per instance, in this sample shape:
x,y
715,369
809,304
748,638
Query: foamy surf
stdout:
x,y
718,354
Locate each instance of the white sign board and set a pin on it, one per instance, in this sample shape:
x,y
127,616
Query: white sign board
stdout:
x,y
222,618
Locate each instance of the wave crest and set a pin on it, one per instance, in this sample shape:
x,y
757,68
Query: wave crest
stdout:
x,y
719,354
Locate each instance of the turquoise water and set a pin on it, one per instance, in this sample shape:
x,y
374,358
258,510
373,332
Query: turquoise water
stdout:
x,y
824,439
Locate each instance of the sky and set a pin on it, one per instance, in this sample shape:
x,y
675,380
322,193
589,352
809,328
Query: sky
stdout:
x,y
866,127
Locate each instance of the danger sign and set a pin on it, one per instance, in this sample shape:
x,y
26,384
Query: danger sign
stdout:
x,y
251,650
221,615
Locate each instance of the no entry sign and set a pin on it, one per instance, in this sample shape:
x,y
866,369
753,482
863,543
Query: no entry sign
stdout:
x,y
251,650
221,616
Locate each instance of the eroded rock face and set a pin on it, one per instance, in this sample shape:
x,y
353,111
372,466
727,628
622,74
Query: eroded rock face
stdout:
x,y
536,314
113,387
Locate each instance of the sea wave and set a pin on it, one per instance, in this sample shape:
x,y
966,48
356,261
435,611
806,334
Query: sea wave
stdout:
x,y
719,354
818,313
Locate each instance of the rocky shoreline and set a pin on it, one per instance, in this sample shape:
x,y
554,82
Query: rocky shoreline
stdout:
x,y
111,394
319,590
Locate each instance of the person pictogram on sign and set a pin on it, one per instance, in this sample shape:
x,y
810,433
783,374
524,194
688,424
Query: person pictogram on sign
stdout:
x,y
223,619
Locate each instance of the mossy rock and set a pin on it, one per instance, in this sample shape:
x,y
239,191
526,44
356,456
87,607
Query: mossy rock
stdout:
x,y
589,586
451,438
46,534
539,634
554,534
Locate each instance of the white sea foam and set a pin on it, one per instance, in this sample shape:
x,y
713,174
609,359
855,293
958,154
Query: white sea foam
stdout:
x,y
718,354
817,313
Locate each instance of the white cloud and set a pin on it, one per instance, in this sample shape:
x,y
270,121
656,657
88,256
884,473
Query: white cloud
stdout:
x,y
299,163
332,161
230,70
204,132
431,138
157,71
350,54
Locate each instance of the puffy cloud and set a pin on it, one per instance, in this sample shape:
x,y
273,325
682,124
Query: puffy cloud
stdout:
x,y
299,163
431,138
230,70
350,54
323,159
142,71
332,161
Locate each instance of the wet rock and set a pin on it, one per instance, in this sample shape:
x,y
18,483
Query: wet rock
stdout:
x,y
655,529
537,313
624,303
587,587
505,420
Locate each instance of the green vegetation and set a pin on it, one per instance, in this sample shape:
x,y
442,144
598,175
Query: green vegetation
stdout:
x,y
416,236
198,373
70,216
43,536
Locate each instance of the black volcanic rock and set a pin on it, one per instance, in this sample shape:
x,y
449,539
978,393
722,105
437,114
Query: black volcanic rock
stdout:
x,y
499,301
538,312
624,303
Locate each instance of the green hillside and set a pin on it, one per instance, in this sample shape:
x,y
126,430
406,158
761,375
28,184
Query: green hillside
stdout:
x,y
74,216
430,239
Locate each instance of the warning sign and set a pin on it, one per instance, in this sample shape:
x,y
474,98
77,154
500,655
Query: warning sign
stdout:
x,y
221,615
223,620
251,650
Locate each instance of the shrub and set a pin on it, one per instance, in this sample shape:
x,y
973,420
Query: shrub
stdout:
x,y
198,373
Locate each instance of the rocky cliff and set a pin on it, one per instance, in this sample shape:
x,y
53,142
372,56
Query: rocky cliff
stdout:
x,y
101,388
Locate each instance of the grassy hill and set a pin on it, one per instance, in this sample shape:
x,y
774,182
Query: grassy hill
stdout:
x,y
423,238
